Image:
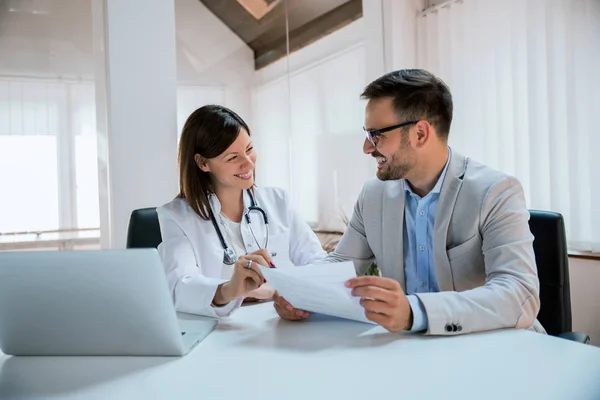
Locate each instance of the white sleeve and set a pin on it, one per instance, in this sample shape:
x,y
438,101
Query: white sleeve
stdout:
x,y
305,246
192,292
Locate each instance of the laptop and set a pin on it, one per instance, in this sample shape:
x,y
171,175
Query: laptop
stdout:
x,y
91,303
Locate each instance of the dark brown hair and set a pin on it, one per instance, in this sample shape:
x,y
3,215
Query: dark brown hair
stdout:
x,y
417,94
208,131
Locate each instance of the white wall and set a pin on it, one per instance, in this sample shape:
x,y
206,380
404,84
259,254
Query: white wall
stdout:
x,y
213,63
585,296
52,38
138,83
316,152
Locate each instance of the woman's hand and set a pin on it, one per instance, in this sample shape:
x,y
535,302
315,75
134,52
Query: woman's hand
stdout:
x,y
246,277
265,292
264,253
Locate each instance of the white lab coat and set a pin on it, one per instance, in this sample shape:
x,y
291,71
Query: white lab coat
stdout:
x,y
192,253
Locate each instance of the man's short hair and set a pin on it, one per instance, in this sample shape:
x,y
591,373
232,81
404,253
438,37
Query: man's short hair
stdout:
x,y
417,94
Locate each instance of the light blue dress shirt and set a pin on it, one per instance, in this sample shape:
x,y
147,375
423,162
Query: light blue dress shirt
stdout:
x,y
419,266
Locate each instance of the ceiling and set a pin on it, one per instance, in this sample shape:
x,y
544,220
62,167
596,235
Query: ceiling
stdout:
x,y
261,24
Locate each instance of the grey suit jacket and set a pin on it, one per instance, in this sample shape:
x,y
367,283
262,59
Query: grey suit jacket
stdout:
x,y
483,248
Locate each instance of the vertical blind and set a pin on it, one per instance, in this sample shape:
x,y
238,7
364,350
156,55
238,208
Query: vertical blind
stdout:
x,y
524,77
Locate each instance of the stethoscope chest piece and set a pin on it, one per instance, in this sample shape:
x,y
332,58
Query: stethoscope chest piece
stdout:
x,y
229,257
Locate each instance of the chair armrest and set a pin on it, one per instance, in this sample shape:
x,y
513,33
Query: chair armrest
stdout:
x,y
579,337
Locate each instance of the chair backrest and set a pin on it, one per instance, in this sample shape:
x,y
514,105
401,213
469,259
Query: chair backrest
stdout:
x,y
550,247
143,230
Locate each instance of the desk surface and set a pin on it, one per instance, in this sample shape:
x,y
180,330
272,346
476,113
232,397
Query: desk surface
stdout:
x,y
254,355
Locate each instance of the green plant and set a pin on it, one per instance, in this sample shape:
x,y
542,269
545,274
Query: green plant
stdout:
x,y
373,270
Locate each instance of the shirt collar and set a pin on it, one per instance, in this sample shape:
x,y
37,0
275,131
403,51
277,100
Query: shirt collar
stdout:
x,y
438,185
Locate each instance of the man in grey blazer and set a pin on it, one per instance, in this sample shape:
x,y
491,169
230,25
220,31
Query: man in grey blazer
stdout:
x,y
450,236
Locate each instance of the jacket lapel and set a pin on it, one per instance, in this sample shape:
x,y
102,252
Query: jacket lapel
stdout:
x,y
447,201
392,231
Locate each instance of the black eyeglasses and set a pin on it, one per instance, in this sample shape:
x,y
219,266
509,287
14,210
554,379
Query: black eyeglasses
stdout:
x,y
372,134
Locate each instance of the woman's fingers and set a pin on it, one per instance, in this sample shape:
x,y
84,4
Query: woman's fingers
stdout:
x,y
257,259
264,253
248,268
253,277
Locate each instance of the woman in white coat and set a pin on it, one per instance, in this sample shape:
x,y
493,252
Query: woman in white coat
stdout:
x,y
221,226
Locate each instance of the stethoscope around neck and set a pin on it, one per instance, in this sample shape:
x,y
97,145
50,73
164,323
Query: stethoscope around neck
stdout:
x,y
229,256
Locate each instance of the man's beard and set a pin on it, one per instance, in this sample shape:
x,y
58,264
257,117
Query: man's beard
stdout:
x,y
397,169
394,170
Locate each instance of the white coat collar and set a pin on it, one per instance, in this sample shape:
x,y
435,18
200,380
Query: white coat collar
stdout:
x,y
215,204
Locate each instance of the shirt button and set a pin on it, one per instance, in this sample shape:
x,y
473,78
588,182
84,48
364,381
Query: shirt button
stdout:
x,y
249,245
423,284
421,248
422,212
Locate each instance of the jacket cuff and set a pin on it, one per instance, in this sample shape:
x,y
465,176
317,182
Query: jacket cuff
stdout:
x,y
419,314
441,316
195,294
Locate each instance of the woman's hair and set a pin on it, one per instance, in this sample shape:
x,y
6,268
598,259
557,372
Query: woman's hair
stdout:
x,y
208,131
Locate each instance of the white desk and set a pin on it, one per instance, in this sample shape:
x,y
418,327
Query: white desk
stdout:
x,y
254,355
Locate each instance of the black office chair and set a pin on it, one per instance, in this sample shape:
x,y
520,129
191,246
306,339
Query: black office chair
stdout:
x,y
143,230
550,248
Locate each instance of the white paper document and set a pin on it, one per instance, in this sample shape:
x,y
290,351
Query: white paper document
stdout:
x,y
318,288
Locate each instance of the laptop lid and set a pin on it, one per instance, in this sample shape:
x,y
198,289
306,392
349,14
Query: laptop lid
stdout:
x,y
101,302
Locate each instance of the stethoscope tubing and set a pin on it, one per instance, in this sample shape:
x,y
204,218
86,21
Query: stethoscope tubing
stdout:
x,y
229,257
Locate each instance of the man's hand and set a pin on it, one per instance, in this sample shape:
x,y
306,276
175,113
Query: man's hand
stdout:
x,y
383,300
264,292
286,310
